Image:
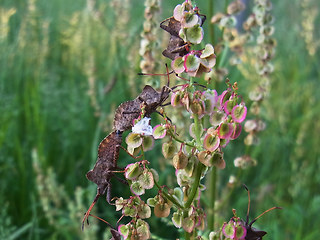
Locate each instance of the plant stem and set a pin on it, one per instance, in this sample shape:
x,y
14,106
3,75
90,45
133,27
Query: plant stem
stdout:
x,y
179,140
168,196
197,129
200,166
222,59
212,197
211,26
195,186
186,235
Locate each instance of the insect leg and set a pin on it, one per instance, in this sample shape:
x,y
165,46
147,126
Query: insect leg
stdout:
x,y
87,214
163,116
108,194
121,180
115,234
134,157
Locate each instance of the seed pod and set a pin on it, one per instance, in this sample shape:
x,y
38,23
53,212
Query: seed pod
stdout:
x,y
168,149
162,210
180,160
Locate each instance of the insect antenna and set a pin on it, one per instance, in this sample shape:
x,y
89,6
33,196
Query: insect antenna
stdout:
x,y
188,80
255,219
167,86
270,209
248,210
157,74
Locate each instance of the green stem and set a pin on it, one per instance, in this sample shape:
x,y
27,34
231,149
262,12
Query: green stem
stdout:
x,y
186,236
197,129
212,198
226,5
178,139
222,59
195,185
168,196
200,166
211,26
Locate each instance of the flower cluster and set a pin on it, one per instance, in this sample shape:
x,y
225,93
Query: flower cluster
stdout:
x,y
266,44
187,24
161,205
225,114
234,229
244,162
195,62
190,21
253,48
140,137
195,218
148,36
252,127
137,210
218,121
139,177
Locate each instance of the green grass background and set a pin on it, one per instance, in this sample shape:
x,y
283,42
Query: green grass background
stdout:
x,y
57,59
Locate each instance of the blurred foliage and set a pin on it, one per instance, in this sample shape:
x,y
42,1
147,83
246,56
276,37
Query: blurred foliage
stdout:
x,y
66,65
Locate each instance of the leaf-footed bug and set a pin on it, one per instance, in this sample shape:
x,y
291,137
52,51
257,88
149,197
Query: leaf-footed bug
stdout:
x,y
176,46
105,167
108,150
149,99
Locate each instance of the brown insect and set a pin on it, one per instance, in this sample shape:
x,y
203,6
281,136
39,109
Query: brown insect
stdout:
x,y
253,233
149,98
108,150
105,168
176,46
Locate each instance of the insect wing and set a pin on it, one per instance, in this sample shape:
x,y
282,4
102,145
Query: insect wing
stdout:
x,y
172,26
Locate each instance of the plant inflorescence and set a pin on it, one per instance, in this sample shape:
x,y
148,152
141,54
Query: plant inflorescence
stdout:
x,y
212,120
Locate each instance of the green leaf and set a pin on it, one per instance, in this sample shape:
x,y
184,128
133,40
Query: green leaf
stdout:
x,y
159,131
178,65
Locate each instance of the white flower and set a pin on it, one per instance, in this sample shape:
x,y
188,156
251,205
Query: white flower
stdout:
x,y
142,127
